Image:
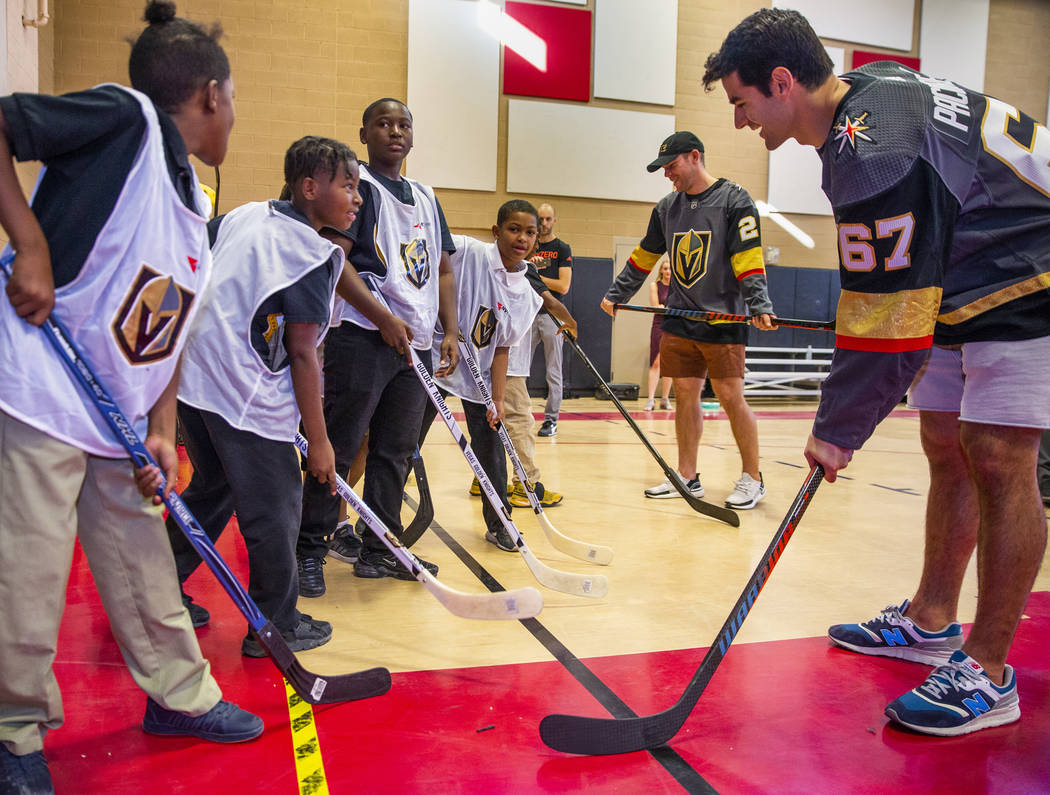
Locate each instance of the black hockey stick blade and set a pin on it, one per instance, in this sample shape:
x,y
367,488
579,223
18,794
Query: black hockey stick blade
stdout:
x,y
576,734
320,689
425,512
708,509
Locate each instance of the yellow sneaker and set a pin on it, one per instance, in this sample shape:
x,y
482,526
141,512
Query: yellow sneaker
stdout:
x,y
548,497
475,488
519,498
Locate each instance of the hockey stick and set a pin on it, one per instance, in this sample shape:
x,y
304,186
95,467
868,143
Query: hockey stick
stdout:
x,y
576,734
311,687
708,509
578,584
520,603
594,553
722,317
425,512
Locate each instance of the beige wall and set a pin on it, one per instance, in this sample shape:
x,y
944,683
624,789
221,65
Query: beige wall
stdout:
x,y
312,66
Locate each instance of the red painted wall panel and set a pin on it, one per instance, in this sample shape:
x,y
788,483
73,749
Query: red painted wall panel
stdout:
x,y
567,32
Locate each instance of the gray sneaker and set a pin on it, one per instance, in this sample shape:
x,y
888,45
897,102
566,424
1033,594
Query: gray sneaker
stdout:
x,y
344,544
666,490
309,633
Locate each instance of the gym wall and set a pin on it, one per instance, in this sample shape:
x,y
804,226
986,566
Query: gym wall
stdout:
x,y
312,66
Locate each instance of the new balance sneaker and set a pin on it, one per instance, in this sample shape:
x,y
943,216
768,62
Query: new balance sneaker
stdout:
x,y
344,544
223,723
501,539
549,428
373,564
309,633
747,492
958,698
893,634
199,616
475,488
24,775
311,577
666,490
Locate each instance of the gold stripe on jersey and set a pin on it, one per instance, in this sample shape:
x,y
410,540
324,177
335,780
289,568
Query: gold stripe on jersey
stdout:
x,y
996,299
748,263
375,241
908,314
643,260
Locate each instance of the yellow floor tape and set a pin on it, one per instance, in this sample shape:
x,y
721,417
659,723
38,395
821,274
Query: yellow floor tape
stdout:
x,y
309,764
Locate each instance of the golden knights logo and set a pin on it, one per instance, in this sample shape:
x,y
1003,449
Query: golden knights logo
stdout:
x,y
416,261
149,321
484,327
689,256
849,130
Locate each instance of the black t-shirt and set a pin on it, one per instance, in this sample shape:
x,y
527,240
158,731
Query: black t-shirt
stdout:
x,y
88,140
363,255
306,301
556,254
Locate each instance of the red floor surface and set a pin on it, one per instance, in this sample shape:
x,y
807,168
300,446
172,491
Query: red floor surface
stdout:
x,y
781,717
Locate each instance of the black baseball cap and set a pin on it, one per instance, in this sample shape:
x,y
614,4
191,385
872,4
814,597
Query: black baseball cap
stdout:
x,y
680,143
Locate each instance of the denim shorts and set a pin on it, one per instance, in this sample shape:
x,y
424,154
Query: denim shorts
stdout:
x,y
995,383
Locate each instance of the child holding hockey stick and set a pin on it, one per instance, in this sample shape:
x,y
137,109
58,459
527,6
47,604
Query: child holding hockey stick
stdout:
x,y
251,370
117,191
496,306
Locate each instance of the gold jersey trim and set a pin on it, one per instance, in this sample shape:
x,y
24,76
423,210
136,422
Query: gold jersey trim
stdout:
x,y
901,315
996,299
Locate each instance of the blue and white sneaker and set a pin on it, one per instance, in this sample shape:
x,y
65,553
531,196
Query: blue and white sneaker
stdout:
x,y
958,698
893,634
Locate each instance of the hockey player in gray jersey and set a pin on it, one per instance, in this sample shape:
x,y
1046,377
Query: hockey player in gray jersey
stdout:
x,y
709,228
941,197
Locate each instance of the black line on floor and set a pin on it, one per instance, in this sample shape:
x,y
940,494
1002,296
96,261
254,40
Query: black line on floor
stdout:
x,y
682,772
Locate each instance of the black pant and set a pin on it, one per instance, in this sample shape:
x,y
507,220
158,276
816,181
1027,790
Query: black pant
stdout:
x,y
367,387
240,472
488,448
1044,464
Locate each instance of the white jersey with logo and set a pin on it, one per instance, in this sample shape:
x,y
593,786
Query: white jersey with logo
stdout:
x,y
258,252
127,310
496,309
408,241
519,360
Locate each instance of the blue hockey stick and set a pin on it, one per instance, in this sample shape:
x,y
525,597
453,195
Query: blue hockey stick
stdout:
x,y
310,687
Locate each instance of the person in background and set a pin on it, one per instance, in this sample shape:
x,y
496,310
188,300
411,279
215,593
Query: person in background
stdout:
x,y
658,291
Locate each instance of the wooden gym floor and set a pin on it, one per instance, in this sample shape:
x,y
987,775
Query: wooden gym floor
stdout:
x,y
785,712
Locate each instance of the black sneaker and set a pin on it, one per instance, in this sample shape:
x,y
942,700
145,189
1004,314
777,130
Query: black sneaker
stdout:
x,y
24,775
501,538
199,616
309,633
373,564
344,544
311,577
223,723
549,428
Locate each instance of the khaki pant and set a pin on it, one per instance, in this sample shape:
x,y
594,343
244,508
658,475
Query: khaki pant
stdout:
x,y
517,408
51,493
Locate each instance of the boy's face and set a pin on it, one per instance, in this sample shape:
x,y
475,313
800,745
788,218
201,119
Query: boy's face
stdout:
x,y
219,101
337,201
388,134
516,238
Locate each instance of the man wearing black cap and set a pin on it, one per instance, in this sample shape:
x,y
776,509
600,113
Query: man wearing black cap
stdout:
x,y
709,229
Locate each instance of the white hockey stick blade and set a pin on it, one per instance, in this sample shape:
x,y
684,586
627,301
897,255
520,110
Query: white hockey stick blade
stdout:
x,y
524,602
592,553
520,603
593,585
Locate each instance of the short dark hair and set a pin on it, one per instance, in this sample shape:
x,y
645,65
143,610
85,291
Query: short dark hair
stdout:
x,y
173,57
312,154
767,39
515,206
372,107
